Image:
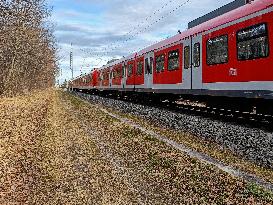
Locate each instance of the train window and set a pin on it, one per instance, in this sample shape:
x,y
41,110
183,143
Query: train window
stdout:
x,y
187,57
159,63
123,71
106,75
147,66
91,78
252,42
114,72
139,68
173,60
130,70
196,55
119,72
217,50
151,65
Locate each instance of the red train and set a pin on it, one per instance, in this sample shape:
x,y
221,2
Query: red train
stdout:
x,y
226,60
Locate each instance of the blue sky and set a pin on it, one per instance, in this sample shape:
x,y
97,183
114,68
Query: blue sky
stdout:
x,y
98,28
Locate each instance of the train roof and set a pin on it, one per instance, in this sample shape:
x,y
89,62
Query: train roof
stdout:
x,y
218,12
130,57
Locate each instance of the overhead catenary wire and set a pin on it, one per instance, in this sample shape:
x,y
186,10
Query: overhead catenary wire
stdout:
x,y
144,21
105,52
157,21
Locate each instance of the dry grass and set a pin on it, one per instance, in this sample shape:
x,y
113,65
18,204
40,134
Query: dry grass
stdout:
x,y
56,149
162,174
208,147
46,158
22,123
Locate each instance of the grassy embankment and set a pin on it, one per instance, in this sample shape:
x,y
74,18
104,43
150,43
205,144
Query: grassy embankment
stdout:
x,y
166,171
204,146
46,158
57,149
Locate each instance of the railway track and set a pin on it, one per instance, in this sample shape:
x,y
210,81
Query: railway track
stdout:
x,y
251,119
196,108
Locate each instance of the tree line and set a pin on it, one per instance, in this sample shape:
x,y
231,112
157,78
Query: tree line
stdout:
x,y
27,47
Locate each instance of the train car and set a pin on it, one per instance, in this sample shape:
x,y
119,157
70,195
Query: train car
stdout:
x,y
95,78
87,82
139,72
105,82
117,76
226,56
225,59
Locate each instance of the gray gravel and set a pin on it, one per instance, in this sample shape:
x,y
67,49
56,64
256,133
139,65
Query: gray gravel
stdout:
x,y
251,143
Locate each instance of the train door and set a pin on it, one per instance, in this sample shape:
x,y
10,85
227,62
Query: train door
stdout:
x,y
100,78
148,70
196,49
187,66
124,76
111,74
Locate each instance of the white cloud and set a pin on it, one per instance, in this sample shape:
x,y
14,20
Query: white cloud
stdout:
x,y
100,33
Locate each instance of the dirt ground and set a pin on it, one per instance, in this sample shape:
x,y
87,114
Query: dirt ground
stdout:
x,y
57,149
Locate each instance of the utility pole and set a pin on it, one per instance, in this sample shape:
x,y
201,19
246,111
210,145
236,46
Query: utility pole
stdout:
x,y
71,60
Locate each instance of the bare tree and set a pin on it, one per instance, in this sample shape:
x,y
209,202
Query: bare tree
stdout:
x,y
27,47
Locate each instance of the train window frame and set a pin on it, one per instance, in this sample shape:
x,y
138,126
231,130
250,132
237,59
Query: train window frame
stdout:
x,y
178,59
199,55
187,59
131,73
214,38
139,72
266,34
162,68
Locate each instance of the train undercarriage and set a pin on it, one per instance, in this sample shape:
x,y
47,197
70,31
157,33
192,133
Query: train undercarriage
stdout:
x,y
256,109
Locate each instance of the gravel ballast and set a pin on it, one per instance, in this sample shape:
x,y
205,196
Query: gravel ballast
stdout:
x,y
251,143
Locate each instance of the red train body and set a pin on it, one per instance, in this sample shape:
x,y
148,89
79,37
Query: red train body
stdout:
x,y
230,55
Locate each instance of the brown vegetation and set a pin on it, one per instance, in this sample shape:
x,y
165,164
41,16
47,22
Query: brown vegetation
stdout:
x,y
27,47
47,158
57,149
158,173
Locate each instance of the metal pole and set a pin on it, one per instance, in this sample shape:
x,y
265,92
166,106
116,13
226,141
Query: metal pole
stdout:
x,y
71,60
